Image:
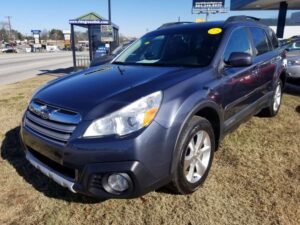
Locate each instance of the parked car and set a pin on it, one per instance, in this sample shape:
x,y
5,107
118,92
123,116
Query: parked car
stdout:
x,y
293,60
98,61
9,49
156,114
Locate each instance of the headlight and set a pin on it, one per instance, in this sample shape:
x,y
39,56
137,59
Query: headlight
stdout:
x,y
129,119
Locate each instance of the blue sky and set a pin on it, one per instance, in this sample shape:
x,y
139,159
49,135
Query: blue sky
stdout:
x,y
134,17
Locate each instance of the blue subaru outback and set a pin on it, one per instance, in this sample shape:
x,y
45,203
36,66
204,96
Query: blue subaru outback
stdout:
x,y
155,115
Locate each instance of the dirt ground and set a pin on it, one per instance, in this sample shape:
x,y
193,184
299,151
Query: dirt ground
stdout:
x,y
255,178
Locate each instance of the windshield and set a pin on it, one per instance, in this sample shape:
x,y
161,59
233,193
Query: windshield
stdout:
x,y
192,48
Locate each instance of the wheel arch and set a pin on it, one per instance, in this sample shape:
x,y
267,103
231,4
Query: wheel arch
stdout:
x,y
208,110
283,77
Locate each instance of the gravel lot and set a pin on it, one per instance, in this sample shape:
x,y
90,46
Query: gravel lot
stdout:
x,y
255,178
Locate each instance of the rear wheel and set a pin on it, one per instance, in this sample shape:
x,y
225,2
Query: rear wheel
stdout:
x,y
196,149
275,104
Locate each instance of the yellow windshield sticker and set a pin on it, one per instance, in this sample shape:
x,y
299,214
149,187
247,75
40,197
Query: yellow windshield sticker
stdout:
x,y
214,31
147,43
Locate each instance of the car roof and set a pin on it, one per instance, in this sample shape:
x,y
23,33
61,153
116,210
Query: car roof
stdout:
x,y
206,25
189,26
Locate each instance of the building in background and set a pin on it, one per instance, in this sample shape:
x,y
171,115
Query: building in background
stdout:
x,y
282,6
292,28
102,35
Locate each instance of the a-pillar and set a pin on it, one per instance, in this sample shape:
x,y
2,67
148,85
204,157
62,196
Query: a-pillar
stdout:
x,y
73,45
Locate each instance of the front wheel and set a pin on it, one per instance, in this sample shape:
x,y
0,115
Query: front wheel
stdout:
x,y
275,104
196,150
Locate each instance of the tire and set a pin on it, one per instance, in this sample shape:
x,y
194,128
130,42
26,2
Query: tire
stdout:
x,y
275,103
193,163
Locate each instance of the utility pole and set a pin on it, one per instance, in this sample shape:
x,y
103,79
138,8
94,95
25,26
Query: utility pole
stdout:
x,y
109,11
206,18
109,19
9,26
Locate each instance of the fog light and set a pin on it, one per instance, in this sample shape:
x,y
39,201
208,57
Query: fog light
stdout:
x,y
118,182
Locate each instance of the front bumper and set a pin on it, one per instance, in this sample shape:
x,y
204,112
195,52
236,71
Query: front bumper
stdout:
x,y
79,165
51,173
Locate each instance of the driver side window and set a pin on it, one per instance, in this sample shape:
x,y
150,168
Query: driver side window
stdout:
x,y
239,42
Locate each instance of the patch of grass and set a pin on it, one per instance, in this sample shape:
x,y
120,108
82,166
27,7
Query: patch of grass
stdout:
x,y
255,178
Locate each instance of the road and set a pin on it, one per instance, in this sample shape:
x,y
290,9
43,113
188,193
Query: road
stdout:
x,y
21,66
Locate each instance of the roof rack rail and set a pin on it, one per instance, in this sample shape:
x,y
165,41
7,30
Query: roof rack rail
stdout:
x,y
241,18
172,24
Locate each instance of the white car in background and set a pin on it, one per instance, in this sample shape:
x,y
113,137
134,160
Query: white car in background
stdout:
x,y
9,49
52,48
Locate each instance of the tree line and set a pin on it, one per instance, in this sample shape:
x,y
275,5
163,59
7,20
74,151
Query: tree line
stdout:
x,y
8,35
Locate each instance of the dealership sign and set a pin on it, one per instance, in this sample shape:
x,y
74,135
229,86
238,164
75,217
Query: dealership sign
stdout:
x,y
107,33
88,22
36,36
208,6
205,4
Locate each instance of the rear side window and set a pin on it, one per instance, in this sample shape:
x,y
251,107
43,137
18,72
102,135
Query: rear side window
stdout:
x,y
260,40
274,39
238,42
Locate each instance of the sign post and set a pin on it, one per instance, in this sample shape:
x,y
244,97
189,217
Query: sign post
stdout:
x,y
67,36
107,33
36,36
37,44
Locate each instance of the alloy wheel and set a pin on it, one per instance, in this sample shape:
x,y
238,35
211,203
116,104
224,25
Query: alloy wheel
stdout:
x,y
277,98
197,156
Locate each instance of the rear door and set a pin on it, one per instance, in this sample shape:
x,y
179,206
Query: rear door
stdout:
x,y
265,59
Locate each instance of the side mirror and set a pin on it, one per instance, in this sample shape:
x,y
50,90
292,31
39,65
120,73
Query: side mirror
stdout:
x,y
240,59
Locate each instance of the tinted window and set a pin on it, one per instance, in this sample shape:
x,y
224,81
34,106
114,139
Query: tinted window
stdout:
x,y
238,42
186,48
274,39
260,40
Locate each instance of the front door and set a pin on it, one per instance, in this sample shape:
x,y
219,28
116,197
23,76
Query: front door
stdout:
x,y
239,84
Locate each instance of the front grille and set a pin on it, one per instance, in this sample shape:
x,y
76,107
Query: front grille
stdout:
x,y
51,123
68,172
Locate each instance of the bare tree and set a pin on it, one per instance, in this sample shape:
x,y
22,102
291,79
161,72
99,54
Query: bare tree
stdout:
x,y
44,35
3,32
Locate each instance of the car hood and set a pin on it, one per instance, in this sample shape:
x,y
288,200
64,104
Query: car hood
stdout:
x,y
83,91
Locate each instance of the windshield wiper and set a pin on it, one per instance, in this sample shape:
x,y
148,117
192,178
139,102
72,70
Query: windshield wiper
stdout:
x,y
118,63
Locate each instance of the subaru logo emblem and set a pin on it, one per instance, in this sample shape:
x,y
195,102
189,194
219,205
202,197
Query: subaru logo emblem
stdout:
x,y
41,111
44,112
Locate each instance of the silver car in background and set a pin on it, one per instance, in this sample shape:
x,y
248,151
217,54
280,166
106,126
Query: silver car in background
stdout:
x,y
293,59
